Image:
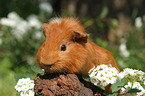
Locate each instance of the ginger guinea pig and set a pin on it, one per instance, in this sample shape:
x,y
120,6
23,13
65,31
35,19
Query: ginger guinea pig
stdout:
x,y
67,48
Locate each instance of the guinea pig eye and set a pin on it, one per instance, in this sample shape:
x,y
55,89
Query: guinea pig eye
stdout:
x,y
63,47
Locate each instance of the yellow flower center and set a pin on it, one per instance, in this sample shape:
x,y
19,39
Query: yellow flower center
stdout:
x,y
110,78
101,75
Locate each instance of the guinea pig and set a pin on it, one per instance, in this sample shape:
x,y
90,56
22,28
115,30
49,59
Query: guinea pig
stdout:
x,y
67,48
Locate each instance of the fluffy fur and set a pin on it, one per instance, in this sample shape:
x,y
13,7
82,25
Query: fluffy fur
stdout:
x,y
81,54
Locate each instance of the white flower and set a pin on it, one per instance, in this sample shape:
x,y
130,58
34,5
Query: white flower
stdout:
x,y
31,85
37,35
12,20
30,60
91,70
27,81
22,26
112,71
21,29
100,75
123,89
142,93
129,84
25,88
8,22
30,93
123,50
18,88
14,16
19,26
34,22
21,81
44,6
105,74
104,83
111,80
130,73
95,81
22,94
102,66
137,86
121,75
138,22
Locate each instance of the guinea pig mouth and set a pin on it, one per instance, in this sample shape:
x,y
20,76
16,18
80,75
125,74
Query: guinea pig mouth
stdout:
x,y
48,66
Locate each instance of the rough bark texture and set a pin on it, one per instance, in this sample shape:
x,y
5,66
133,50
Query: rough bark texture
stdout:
x,y
61,85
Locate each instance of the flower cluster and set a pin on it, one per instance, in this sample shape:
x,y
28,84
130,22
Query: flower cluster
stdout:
x,y
25,86
134,85
103,75
19,27
136,79
106,74
132,75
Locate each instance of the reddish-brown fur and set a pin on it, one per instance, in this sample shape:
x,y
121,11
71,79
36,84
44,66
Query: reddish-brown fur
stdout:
x,y
81,54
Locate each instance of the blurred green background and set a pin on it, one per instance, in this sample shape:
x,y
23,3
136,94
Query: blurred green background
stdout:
x,y
116,25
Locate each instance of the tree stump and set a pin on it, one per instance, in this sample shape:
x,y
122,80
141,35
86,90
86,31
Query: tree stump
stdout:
x,y
61,85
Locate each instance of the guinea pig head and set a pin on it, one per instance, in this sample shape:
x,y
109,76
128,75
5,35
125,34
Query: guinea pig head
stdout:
x,y
64,47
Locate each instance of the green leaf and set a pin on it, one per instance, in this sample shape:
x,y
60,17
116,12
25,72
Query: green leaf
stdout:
x,y
118,85
113,94
19,76
134,91
5,64
100,87
86,78
113,23
104,12
36,69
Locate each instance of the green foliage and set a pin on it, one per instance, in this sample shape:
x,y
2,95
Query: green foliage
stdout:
x,y
134,91
19,76
113,23
7,81
5,66
118,85
104,12
19,6
37,70
86,78
20,40
18,55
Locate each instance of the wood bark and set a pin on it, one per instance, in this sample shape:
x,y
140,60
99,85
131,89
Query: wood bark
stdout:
x,y
63,85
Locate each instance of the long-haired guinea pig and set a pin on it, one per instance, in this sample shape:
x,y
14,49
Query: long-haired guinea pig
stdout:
x,y
67,48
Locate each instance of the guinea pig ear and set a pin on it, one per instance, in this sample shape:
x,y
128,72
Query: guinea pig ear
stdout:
x,y
44,28
79,37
